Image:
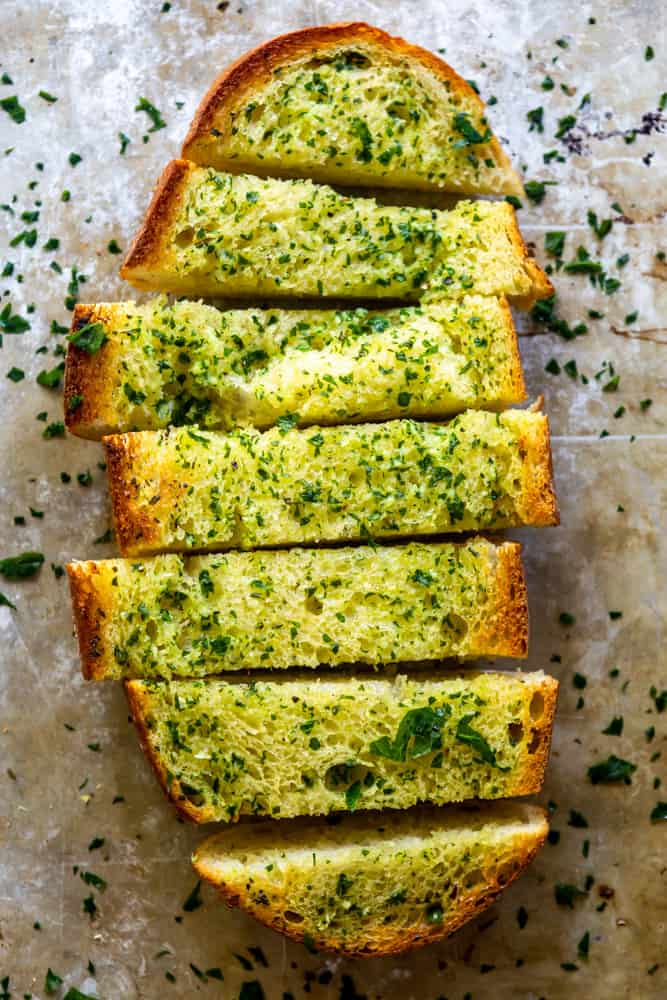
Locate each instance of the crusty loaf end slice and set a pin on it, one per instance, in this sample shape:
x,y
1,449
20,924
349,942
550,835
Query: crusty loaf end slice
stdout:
x,y
242,236
373,885
186,362
261,114
191,617
295,746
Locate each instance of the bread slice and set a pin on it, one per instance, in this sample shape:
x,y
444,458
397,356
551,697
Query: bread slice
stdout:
x,y
303,747
374,884
209,233
186,363
189,617
182,489
350,104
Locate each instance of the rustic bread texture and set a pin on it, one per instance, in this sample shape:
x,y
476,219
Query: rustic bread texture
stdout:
x,y
376,884
188,363
241,236
171,616
183,489
350,104
224,749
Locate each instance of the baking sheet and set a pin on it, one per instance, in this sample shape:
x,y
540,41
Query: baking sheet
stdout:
x,y
67,750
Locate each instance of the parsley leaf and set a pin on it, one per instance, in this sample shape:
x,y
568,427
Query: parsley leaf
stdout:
x,y
89,338
470,135
419,733
153,114
21,567
611,770
465,734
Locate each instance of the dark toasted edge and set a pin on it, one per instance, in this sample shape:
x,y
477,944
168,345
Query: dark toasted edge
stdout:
x,y
147,248
387,943
132,524
138,699
254,68
540,504
90,607
506,633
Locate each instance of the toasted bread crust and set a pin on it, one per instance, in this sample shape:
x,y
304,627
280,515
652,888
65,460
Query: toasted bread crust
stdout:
x,y
132,524
507,628
255,67
383,939
150,245
91,601
541,287
86,377
516,384
539,495
139,709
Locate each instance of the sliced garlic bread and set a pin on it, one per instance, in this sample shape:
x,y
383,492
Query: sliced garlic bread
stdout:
x,y
189,617
160,363
224,749
184,489
350,104
374,884
210,233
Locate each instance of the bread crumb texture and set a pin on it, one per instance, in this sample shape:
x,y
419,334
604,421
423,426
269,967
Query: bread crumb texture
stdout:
x,y
198,615
189,363
212,233
311,746
183,488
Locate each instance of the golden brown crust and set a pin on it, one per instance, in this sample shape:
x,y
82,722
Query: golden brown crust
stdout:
x,y
541,285
151,246
132,524
91,603
254,68
506,633
516,386
540,505
384,940
542,715
87,377
138,700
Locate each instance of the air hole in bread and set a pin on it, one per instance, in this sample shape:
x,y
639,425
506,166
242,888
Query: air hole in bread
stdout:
x,y
534,744
313,605
185,237
292,917
515,730
537,706
473,878
452,623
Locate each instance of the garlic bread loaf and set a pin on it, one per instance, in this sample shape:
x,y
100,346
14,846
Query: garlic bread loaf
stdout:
x,y
302,747
350,104
240,236
162,363
373,884
189,617
184,489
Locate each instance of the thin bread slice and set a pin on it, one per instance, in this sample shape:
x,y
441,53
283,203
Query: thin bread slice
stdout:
x,y
241,236
189,617
349,104
162,363
183,489
374,884
223,749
